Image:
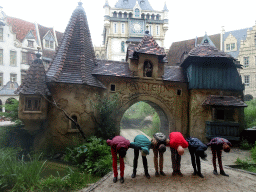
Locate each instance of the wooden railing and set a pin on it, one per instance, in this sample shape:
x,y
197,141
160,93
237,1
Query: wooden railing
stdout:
x,y
227,130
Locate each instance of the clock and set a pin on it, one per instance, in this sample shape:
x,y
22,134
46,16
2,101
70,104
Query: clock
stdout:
x,y
136,27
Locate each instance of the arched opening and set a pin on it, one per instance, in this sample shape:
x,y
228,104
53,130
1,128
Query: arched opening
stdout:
x,y
142,16
148,69
145,116
152,17
125,15
115,14
73,125
130,15
157,17
8,102
148,16
120,14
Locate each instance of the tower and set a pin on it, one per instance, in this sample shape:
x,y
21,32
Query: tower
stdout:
x,y
126,23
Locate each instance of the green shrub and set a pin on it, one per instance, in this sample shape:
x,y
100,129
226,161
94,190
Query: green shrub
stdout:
x,y
245,145
253,152
18,174
155,127
250,113
12,110
106,109
243,163
94,156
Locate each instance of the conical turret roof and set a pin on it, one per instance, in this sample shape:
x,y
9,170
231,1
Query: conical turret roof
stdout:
x,y
35,80
75,58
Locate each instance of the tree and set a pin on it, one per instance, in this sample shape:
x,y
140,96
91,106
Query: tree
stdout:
x,y
12,109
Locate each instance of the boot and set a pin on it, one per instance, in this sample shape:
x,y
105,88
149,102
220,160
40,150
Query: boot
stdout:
x,y
162,173
200,175
115,179
215,172
157,174
147,175
223,173
134,173
122,180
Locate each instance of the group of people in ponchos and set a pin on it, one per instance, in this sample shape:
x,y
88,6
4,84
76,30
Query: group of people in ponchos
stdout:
x,y
176,142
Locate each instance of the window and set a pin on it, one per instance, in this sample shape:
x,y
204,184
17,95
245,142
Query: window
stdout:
x,y
178,91
247,80
49,44
113,87
114,14
150,29
123,28
115,27
147,16
148,68
122,47
125,15
32,104
233,45
223,114
157,17
1,57
1,34
73,125
1,79
142,16
153,17
246,61
13,58
130,15
30,43
230,47
157,30
13,77
24,57
137,12
120,14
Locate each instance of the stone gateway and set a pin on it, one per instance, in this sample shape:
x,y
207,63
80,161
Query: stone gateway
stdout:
x,y
201,98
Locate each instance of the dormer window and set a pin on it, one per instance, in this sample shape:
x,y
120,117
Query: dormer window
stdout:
x,y
137,12
30,43
142,2
49,44
1,34
148,69
230,47
32,104
49,41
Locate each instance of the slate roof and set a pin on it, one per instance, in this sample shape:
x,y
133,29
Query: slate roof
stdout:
x,y
75,58
35,79
149,46
240,34
177,49
121,69
224,101
21,28
8,89
206,50
129,4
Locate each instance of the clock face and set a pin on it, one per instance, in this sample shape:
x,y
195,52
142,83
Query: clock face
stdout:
x,y
136,27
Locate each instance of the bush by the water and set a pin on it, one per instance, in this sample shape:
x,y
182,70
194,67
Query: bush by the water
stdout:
x,y
94,156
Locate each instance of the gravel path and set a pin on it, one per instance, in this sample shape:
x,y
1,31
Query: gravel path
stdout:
x,y
237,181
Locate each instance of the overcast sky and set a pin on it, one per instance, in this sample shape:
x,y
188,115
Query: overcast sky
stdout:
x,y
187,18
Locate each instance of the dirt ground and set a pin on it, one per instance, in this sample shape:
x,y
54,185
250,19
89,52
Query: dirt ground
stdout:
x,y
236,182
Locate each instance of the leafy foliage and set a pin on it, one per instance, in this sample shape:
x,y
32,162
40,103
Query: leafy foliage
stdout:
x,y
12,111
253,152
155,128
94,156
250,113
106,108
245,145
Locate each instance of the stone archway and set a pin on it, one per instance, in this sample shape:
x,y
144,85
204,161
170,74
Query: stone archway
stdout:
x,y
167,123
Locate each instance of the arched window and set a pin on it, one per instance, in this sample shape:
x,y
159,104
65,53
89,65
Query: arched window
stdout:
x,y
120,14
130,15
137,12
142,16
125,15
148,69
97,56
114,14
148,16
153,17
157,17
122,47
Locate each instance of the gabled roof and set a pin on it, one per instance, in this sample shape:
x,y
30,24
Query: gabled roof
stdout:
x,y
177,49
35,79
9,88
129,4
75,58
149,46
21,28
223,101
